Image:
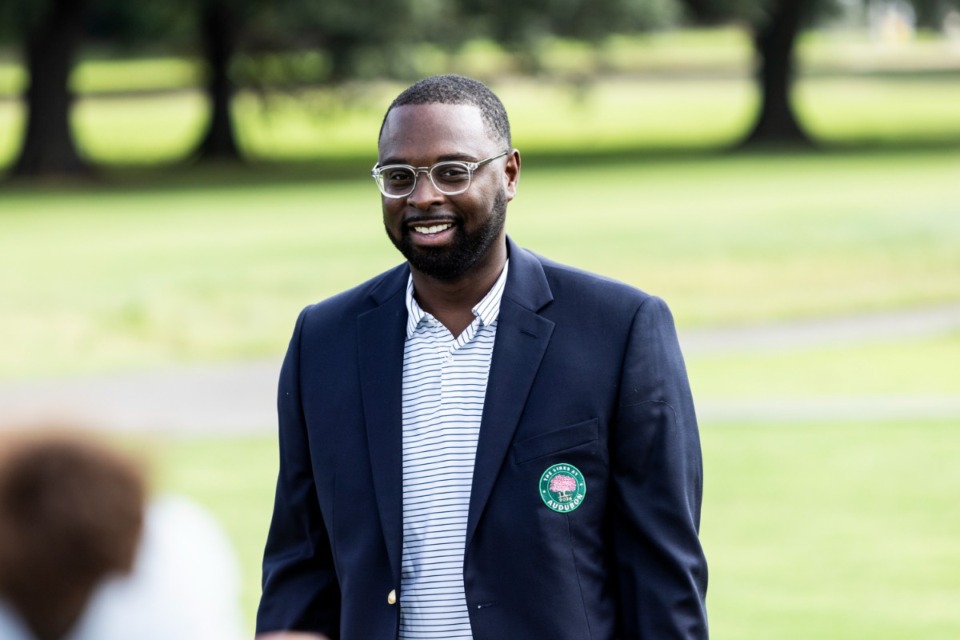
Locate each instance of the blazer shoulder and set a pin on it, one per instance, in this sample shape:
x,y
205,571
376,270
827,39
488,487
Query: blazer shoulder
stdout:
x,y
578,286
359,299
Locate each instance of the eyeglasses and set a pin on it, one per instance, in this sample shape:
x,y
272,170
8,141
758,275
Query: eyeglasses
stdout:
x,y
449,178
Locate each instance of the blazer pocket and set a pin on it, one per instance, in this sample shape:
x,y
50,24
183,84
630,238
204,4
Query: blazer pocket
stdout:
x,y
556,441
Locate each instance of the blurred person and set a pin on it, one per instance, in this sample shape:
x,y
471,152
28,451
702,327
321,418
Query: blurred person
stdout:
x,y
71,513
84,555
185,583
481,443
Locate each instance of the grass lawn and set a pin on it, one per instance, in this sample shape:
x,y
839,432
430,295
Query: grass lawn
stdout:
x,y
914,367
839,531
105,278
836,531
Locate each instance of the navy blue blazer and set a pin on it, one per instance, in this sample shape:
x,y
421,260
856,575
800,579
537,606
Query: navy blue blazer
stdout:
x,y
585,372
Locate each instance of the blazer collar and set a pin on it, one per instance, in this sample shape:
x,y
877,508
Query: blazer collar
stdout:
x,y
526,283
380,332
522,339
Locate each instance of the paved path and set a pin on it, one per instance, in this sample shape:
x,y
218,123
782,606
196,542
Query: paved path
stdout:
x,y
240,398
865,327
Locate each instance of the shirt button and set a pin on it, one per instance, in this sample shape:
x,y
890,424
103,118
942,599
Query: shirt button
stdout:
x,y
392,597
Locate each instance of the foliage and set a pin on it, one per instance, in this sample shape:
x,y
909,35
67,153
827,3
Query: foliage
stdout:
x,y
135,24
299,42
930,14
525,25
18,16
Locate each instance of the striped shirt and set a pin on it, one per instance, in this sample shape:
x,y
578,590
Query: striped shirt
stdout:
x,y
444,384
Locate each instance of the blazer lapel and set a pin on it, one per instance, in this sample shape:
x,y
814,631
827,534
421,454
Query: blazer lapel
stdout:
x,y
381,333
522,339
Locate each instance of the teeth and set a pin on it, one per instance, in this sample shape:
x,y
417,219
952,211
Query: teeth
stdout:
x,y
437,228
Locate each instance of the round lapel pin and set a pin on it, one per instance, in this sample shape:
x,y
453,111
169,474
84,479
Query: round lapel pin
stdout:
x,y
562,487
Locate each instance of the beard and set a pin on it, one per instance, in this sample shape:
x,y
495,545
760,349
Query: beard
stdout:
x,y
450,263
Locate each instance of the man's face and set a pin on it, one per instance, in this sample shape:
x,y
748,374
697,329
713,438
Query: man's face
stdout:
x,y
444,236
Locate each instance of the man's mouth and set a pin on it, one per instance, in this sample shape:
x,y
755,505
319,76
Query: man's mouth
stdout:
x,y
429,230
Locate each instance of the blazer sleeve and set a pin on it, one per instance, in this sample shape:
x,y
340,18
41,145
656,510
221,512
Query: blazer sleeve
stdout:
x,y
657,487
300,588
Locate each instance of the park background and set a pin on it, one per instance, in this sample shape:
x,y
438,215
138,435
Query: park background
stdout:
x,y
815,278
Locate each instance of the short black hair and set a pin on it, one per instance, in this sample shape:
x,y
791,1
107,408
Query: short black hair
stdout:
x,y
454,89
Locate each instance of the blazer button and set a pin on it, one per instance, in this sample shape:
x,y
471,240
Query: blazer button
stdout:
x,y
392,597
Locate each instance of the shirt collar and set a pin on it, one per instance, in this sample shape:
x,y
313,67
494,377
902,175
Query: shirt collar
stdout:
x,y
488,309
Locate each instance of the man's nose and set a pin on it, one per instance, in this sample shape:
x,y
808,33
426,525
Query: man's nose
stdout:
x,y
424,194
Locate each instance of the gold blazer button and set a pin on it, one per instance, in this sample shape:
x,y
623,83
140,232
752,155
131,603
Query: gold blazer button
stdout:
x,y
392,597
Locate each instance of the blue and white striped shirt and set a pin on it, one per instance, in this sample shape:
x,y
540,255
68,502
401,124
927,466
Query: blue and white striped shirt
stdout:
x,y
444,385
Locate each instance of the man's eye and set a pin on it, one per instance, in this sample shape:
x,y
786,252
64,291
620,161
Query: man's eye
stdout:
x,y
398,175
451,173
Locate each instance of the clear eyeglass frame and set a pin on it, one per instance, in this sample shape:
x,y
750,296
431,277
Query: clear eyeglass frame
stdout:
x,y
454,184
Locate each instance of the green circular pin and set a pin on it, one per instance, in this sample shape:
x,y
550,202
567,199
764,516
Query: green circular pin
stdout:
x,y
562,487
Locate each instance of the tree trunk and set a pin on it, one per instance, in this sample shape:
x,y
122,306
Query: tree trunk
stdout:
x,y
774,43
929,14
219,25
340,47
48,147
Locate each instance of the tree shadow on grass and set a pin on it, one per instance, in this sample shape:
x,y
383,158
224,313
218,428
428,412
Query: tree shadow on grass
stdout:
x,y
213,174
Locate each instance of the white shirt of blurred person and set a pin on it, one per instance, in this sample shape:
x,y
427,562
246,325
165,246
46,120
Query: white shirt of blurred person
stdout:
x,y
185,583
12,627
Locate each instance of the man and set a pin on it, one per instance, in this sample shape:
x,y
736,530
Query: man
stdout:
x,y
481,443
71,513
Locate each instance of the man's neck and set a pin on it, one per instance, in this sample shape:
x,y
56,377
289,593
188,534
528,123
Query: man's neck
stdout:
x,y
451,302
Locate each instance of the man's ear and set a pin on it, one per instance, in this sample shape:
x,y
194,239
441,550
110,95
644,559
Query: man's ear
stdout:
x,y
511,174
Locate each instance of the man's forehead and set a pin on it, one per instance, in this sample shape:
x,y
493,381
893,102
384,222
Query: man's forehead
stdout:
x,y
432,109
431,123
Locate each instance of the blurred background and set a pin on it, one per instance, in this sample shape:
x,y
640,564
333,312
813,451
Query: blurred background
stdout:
x,y
180,178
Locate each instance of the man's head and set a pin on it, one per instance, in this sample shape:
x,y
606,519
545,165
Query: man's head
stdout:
x,y
444,232
453,89
71,512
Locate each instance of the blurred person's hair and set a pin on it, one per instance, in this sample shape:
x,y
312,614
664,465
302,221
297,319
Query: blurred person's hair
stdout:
x,y
71,514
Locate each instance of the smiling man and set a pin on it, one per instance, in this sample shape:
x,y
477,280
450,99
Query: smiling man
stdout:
x,y
481,443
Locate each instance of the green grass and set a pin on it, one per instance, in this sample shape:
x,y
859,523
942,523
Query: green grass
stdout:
x,y
140,129
103,278
836,531
135,74
234,479
839,531
918,367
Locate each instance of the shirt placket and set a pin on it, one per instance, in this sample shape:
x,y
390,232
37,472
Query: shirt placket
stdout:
x,y
449,364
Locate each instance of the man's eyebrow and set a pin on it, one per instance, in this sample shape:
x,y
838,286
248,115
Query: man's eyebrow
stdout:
x,y
457,156
463,157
